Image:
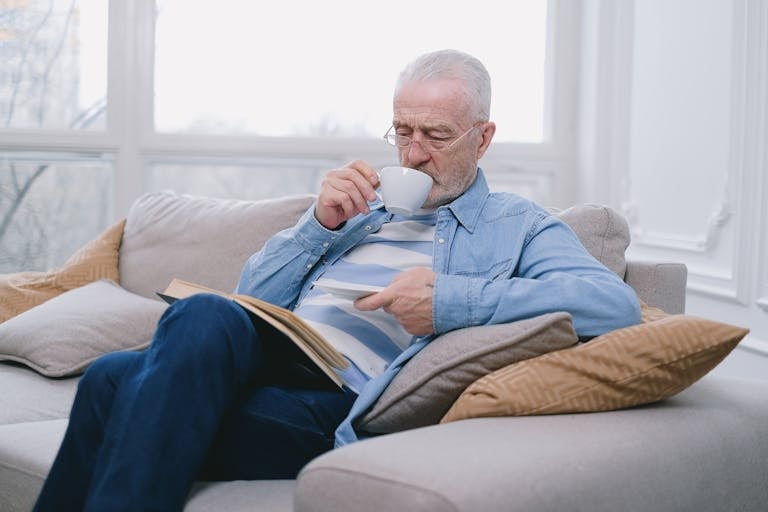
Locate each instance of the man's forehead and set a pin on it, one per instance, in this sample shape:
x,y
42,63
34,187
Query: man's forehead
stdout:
x,y
434,118
434,102
431,92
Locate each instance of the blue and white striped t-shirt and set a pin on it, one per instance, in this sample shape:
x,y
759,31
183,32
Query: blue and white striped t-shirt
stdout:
x,y
370,340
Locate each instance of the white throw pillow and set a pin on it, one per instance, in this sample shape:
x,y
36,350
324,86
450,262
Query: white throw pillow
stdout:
x,y
62,336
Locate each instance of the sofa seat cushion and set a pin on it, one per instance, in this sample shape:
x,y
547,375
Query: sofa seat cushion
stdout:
x,y
28,396
199,239
27,451
703,450
242,496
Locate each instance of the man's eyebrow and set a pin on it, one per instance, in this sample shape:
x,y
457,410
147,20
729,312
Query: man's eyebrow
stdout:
x,y
438,127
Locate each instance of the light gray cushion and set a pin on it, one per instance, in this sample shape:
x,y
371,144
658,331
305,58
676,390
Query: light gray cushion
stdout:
x,y
28,396
27,451
199,239
602,231
426,387
242,496
63,335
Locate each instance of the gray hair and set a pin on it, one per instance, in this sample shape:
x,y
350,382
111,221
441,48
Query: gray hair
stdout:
x,y
455,65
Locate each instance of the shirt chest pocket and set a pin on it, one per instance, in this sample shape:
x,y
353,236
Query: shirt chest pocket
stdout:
x,y
491,252
477,264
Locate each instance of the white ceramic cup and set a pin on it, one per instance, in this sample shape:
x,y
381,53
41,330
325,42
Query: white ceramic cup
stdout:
x,y
403,189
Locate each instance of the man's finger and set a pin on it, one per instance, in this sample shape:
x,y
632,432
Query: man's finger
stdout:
x,y
373,301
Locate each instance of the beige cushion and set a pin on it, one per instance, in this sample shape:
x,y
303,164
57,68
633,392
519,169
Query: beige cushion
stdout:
x,y
602,231
29,396
199,239
96,260
27,451
427,386
242,496
65,334
626,367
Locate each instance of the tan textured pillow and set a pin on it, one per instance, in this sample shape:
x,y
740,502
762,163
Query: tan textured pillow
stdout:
x,y
623,368
95,260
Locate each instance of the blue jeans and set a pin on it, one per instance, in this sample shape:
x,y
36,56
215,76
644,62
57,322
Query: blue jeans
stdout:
x,y
216,396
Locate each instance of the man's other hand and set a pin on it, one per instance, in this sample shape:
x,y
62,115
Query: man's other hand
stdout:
x,y
408,298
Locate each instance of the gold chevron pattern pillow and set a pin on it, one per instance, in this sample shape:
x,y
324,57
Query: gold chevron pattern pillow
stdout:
x,y
635,365
96,260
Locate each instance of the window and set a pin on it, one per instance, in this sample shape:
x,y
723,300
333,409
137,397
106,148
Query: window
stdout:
x,y
53,76
231,179
308,68
51,204
54,64
103,100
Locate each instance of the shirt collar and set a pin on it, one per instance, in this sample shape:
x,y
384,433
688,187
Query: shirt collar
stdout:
x,y
467,207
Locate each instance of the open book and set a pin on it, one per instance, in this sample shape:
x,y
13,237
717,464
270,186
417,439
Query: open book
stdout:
x,y
297,330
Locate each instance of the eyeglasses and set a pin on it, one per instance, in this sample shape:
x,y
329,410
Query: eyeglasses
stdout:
x,y
428,145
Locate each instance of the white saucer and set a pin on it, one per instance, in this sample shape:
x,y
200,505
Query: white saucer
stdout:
x,y
349,291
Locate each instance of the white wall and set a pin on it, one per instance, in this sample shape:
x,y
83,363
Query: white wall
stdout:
x,y
673,131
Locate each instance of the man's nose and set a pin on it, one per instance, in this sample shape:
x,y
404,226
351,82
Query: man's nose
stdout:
x,y
416,154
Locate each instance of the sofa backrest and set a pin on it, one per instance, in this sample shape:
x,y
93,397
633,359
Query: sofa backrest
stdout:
x,y
208,240
603,232
199,239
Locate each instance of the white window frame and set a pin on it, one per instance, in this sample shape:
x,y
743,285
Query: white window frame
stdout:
x,y
547,167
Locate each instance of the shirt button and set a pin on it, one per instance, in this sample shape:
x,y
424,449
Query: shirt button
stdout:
x,y
326,244
368,228
309,265
441,240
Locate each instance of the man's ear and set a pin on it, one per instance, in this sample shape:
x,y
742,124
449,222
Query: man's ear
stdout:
x,y
489,129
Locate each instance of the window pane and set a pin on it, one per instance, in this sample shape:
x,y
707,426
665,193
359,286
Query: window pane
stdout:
x,y
50,205
328,68
251,180
53,64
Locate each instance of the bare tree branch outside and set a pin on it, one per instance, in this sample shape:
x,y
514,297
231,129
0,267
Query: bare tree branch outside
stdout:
x,y
49,203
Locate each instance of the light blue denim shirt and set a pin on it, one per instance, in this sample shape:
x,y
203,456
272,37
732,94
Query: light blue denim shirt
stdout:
x,y
498,258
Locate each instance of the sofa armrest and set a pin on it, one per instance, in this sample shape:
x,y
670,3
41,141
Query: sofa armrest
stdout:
x,y
658,284
601,462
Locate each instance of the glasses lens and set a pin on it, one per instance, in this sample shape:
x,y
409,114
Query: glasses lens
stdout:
x,y
403,141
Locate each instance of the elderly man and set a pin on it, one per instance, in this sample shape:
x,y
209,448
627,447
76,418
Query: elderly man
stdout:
x,y
221,396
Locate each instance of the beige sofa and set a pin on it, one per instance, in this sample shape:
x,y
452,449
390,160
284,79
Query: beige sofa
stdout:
x,y
704,448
